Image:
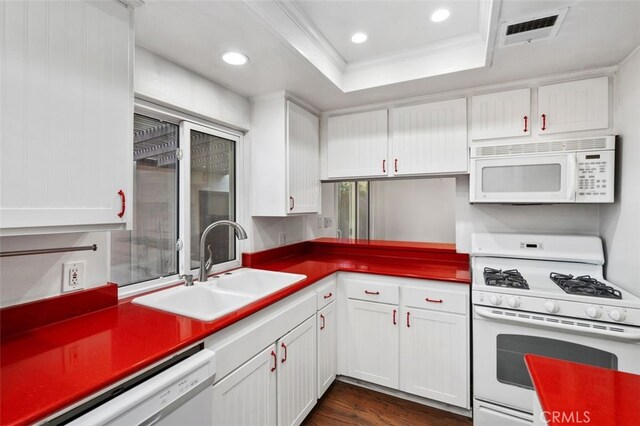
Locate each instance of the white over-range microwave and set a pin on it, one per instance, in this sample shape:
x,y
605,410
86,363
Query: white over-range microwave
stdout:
x,y
566,171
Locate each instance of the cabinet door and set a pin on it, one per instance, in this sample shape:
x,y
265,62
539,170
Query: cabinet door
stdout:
x,y
574,106
501,115
435,355
66,133
303,160
357,145
248,395
327,347
373,342
297,390
430,138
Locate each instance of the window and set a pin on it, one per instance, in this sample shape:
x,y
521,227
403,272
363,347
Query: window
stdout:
x,y
352,202
397,209
148,251
185,177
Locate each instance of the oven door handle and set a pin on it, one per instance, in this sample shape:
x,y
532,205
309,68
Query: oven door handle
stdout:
x,y
512,317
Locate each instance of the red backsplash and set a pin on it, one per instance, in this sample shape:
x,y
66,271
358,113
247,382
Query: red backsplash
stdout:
x,y
20,318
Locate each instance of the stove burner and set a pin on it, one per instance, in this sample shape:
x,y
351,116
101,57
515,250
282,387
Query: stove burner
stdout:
x,y
510,278
584,285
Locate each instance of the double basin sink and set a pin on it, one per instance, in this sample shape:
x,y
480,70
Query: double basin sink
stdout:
x,y
220,294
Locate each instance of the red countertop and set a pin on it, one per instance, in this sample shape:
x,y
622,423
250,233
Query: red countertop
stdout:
x,y
584,394
49,367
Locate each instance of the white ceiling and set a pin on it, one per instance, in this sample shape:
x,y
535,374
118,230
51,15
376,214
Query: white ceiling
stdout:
x,y
194,33
392,25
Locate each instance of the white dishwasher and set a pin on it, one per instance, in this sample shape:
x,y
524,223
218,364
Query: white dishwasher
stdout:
x,y
180,395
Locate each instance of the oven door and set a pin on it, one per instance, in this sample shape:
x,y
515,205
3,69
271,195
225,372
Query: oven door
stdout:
x,y
527,179
499,345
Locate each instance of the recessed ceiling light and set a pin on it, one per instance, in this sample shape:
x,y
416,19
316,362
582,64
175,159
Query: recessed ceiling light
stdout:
x,y
440,15
235,58
359,38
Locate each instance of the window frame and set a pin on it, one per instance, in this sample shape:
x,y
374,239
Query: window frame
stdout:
x,y
187,121
353,208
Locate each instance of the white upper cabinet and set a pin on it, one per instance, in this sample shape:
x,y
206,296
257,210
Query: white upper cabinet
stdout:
x,y
285,158
501,115
303,161
430,138
357,145
67,100
574,106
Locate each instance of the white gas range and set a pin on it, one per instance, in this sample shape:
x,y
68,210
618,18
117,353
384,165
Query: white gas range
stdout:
x,y
543,294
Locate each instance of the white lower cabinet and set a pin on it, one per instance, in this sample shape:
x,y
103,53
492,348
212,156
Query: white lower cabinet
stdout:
x,y
373,342
408,334
296,373
276,387
433,356
248,395
327,347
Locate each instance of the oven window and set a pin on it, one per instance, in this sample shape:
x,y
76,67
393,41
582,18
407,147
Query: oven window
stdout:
x,y
523,178
511,349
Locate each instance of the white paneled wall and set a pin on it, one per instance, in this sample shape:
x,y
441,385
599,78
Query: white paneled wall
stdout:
x,y
620,222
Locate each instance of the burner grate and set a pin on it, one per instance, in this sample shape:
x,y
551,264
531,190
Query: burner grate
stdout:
x,y
584,285
510,278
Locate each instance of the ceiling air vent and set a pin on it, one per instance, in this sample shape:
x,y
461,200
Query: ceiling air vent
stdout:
x,y
532,28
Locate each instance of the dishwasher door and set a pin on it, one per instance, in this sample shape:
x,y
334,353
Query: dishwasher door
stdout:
x,y
182,394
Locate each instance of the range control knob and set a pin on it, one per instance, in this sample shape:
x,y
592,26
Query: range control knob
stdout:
x,y
551,306
617,315
593,312
513,302
495,299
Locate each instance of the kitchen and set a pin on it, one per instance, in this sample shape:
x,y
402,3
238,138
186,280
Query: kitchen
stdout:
x,y
386,180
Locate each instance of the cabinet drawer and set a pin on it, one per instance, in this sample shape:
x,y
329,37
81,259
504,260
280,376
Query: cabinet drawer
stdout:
x,y
435,299
326,294
362,289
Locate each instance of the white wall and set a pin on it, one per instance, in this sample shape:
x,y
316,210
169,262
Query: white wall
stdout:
x,y
414,210
162,81
620,222
553,218
27,278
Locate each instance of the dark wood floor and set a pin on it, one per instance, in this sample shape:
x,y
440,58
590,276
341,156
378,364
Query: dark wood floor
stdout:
x,y
345,404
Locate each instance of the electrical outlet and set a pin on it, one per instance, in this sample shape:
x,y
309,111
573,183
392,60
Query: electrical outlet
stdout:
x,y
282,238
73,276
328,222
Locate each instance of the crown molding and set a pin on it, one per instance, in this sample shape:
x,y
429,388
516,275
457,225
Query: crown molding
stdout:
x,y
473,50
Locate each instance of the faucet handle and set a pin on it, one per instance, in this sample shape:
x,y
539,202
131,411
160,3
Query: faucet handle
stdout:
x,y
188,279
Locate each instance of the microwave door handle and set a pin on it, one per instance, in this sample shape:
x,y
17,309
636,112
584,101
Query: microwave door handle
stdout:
x,y
572,176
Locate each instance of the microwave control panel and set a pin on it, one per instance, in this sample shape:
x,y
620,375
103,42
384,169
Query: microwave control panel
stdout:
x,y
595,177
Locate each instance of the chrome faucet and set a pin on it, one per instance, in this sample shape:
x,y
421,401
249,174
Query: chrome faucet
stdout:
x,y
204,266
